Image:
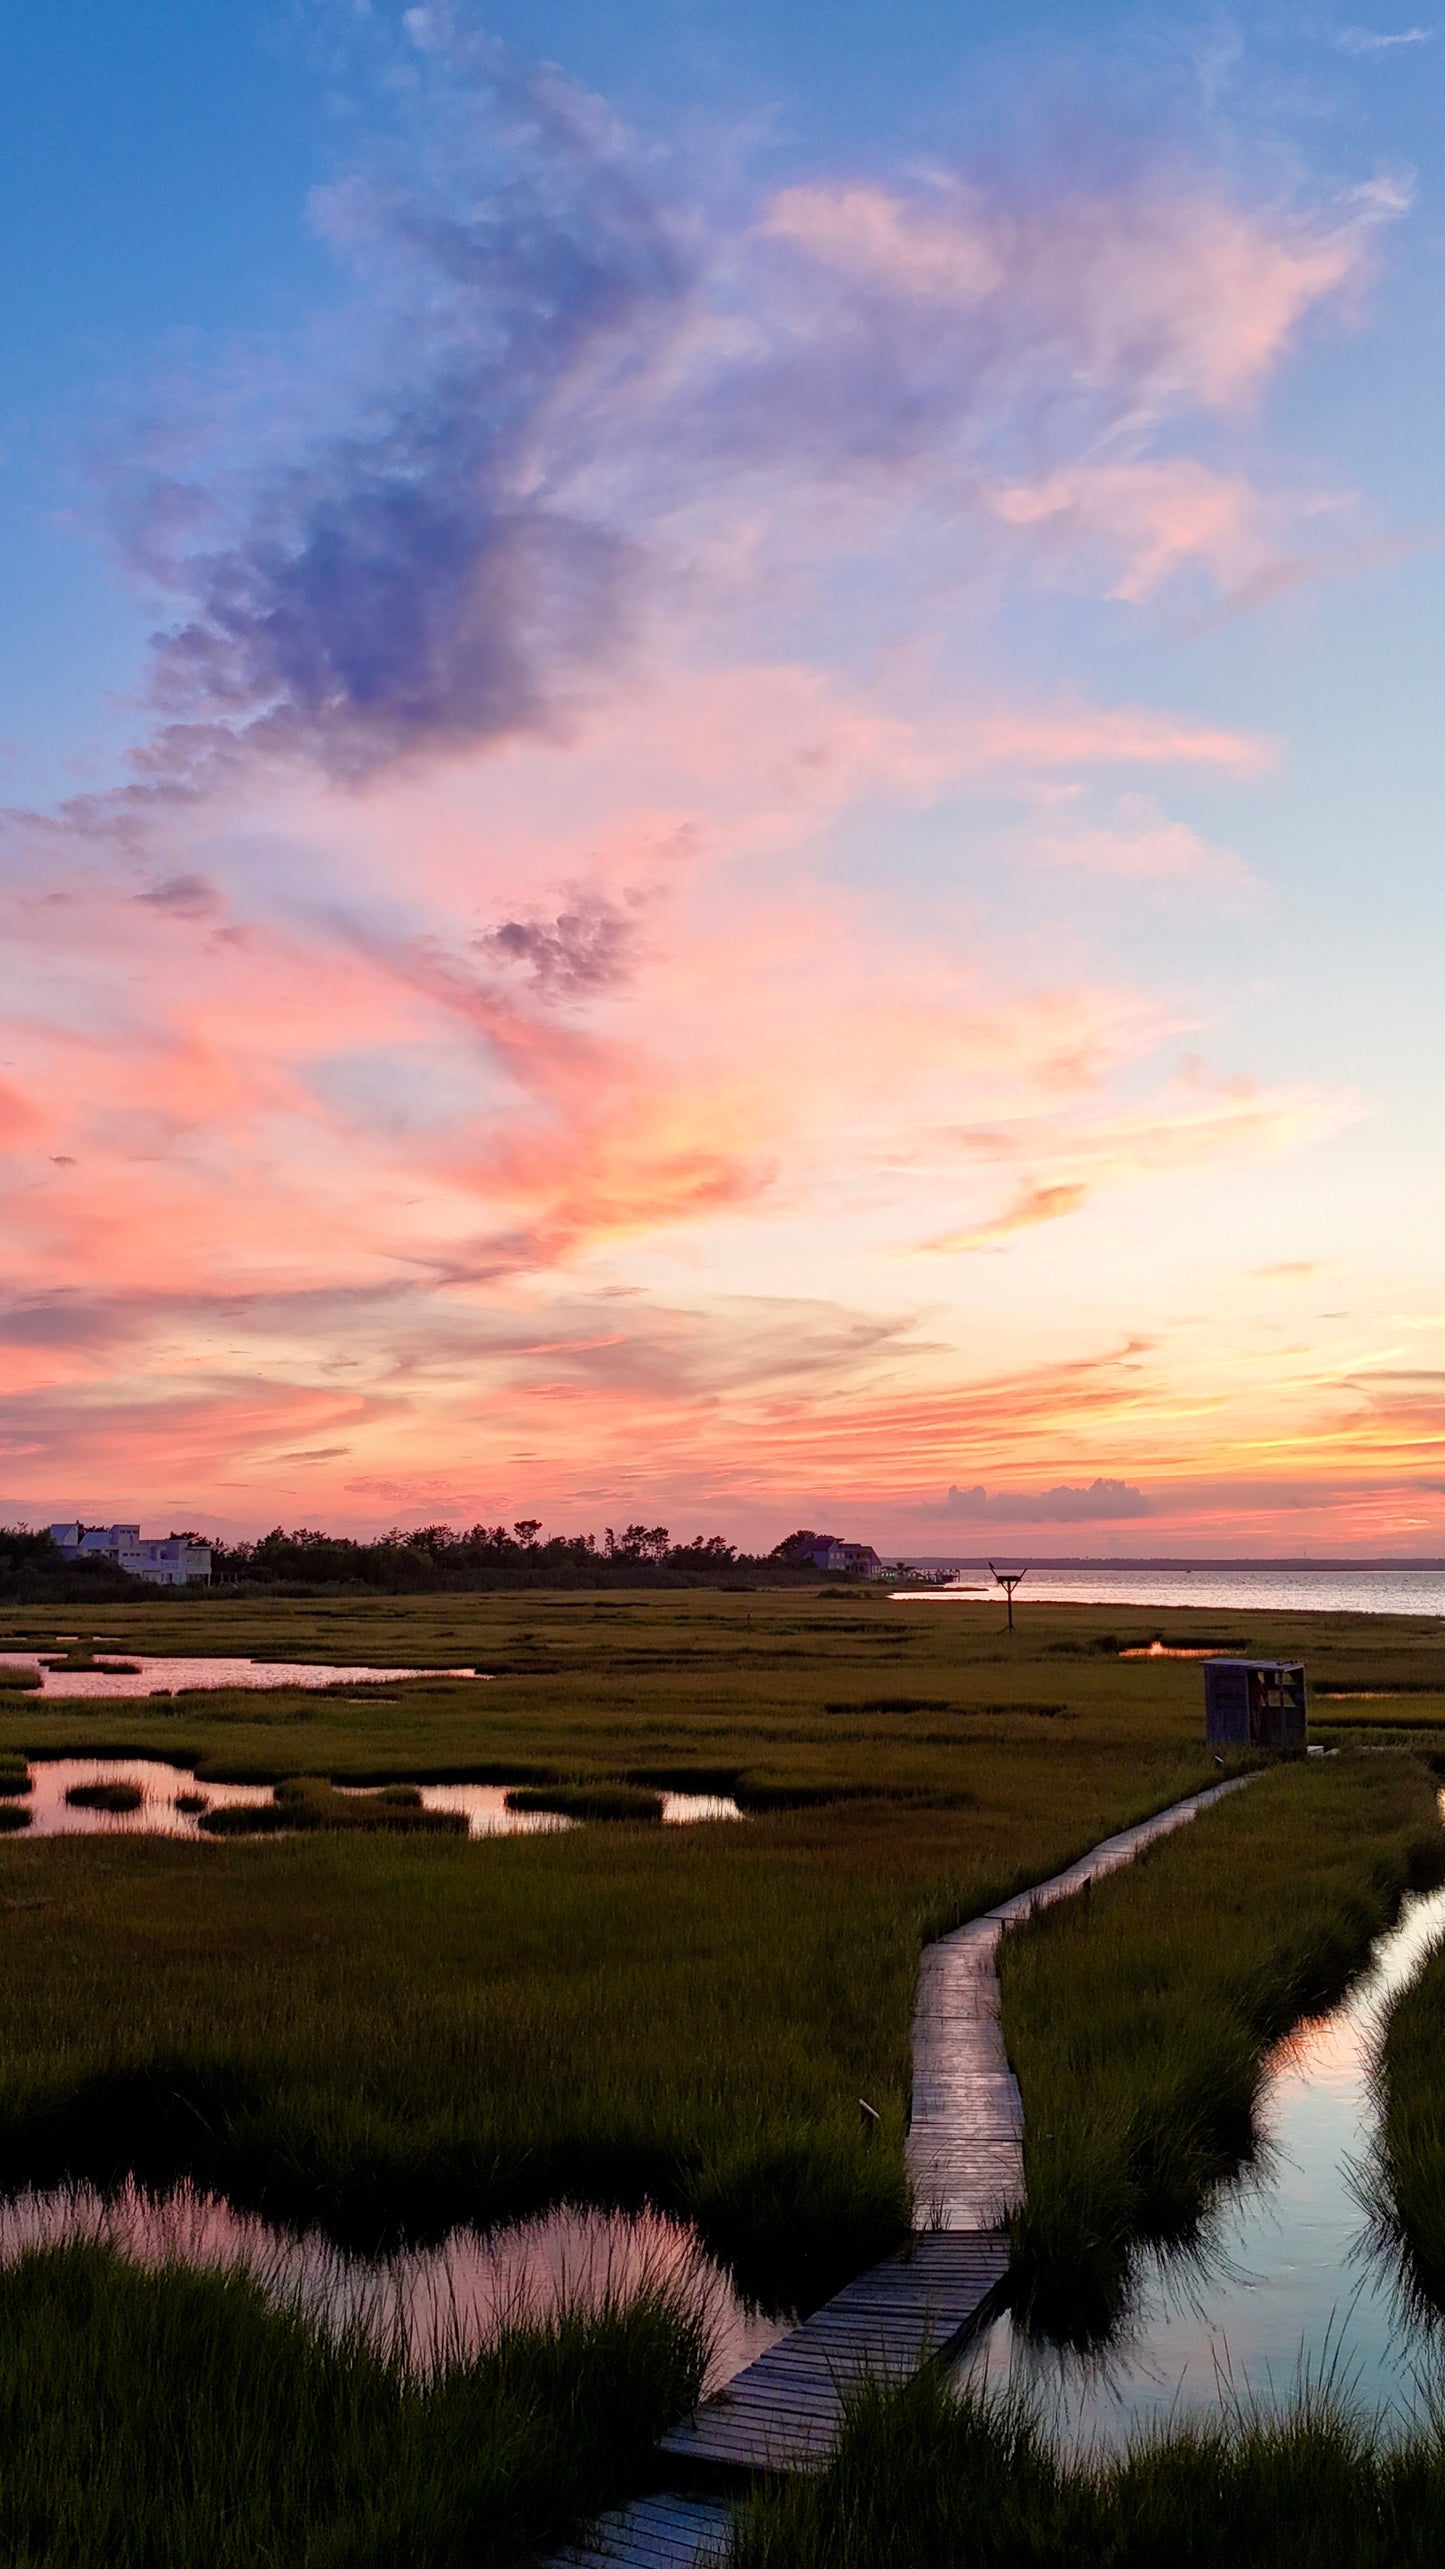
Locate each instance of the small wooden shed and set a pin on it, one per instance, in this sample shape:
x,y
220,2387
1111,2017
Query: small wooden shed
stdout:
x,y
1255,1703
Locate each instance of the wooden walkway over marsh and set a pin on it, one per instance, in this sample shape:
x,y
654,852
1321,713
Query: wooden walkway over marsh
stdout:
x,y
965,2159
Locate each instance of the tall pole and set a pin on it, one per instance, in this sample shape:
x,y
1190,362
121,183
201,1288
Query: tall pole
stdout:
x,y
1008,1580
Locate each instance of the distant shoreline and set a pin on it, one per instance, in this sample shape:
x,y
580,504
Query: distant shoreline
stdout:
x,y
1160,1561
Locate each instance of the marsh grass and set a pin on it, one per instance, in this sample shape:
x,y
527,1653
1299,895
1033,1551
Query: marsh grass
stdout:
x,y
388,2031
1138,2016
306,1802
924,2479
157,2419
105,1797
588,1801
1406,2184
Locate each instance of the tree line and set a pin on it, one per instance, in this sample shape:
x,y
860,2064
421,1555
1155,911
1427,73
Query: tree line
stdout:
x,y
430,1558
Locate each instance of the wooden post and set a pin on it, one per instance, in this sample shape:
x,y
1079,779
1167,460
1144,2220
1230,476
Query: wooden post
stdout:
x,y
1008,1580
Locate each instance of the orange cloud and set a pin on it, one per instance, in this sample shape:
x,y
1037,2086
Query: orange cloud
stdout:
x,y
1032,1205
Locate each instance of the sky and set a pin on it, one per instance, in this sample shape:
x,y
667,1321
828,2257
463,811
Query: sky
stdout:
x,y
722,770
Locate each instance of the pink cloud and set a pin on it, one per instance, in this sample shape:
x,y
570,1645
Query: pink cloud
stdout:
x,y
543,922
1142,845
1165,287
1146,520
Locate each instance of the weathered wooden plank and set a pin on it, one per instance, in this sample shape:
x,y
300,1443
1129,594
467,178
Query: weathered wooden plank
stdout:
x,y
788,2404
965,2143
665,2531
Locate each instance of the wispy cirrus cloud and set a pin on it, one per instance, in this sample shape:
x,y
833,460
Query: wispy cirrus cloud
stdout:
x,y
1371,40
590,393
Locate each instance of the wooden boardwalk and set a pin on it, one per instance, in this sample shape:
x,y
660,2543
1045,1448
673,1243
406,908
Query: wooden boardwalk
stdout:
x,y
965,2137
965,2159
664,2531
782,2412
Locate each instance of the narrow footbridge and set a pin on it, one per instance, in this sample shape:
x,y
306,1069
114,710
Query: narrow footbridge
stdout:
x,y
965,2159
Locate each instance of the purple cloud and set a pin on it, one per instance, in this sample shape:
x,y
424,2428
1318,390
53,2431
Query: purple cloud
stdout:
x,y
1066,1504
587,947
423,580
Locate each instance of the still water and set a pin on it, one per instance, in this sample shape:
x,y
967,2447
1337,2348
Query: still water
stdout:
x,y
142,1676
1289,2285
1322,1591
165,1786
430,2302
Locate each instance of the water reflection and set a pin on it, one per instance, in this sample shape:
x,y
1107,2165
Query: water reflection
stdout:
x,y
1293,1589
432,2302
165,1790
1288,2283
143,1676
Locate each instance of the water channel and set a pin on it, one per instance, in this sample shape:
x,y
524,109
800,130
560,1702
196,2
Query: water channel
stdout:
x,y
166,1788
133,1674
1289,2286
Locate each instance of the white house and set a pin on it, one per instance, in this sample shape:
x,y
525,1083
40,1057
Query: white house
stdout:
x,y
167,1560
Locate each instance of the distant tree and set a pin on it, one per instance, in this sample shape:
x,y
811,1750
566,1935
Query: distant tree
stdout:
x,y
526,1530
795,1547
638,1543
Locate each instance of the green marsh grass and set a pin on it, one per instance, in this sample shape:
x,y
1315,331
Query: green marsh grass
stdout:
x,y
158,2419
924,2479
105,1797
1138,2015
388,2032
1407,2186
312,1802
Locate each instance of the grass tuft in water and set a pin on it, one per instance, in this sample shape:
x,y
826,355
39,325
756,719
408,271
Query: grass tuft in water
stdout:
x,y
311,1802
105,1797
152,2420
588,1801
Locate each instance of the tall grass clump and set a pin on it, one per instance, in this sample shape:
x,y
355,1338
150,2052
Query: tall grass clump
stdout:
x,y
926,2480
588,1801
1137,2016
105,1797
153,2420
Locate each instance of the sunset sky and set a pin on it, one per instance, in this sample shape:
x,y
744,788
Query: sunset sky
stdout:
x,y
724,762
